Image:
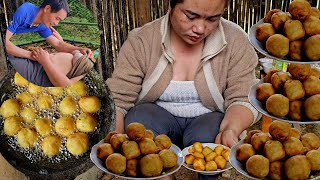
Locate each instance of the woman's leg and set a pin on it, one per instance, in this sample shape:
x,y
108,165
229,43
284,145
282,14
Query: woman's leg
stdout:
x,y
157,119
203,128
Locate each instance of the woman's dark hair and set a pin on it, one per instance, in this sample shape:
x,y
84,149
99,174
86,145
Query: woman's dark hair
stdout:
x,y
56,5
173,3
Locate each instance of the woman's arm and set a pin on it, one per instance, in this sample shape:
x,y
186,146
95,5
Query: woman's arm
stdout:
x,y
236,119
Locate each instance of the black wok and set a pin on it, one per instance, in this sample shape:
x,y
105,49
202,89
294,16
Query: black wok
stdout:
x,y
65,169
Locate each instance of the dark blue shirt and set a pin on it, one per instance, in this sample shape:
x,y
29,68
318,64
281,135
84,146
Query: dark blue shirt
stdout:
x,y
22,20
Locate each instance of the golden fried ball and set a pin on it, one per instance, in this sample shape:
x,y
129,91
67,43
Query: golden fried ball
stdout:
x,y
12,125
280,130
293,89
104,150
149,134
27,137
278,45
24,98
199,164
206,150
276,170
293,29
264,31
297,167
267,18
244,152
28,115
34,89
247,139
273,150
55,91
147,146
90,104
130,149
78,143
43,126
169,158
258,166
78,88
116,163
295,133
189,159
163,141
65,126
313,157
312,107
109,135
211,166
293,146
86,122
20,81
116,140
151,165
136,131
278,105
45,102
50,145
9,108
67,106
310,140
258,140
132,167
312,46
299,9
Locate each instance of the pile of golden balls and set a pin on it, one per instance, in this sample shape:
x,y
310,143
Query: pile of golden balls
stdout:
x,y
21,117
207,159
283,153
137,153
296,34
295,94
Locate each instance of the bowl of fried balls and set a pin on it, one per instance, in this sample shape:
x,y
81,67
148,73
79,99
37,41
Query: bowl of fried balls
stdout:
x,y
138,154
207,158
289,36
283,153
293,96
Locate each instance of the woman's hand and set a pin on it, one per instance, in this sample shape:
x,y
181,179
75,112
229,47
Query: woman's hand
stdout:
x,y
40,55
227,137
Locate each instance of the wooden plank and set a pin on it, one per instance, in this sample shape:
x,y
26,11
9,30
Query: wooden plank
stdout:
x,y
143,14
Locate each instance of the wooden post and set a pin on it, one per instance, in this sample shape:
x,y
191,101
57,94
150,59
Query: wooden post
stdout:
x,y
3,57
143,14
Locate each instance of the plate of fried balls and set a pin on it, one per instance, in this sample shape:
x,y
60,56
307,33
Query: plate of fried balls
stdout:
x,y
292,96
283,153
292,36
207,158
138,154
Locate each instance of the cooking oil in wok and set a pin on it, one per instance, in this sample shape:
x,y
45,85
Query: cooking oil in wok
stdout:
x,y
35,153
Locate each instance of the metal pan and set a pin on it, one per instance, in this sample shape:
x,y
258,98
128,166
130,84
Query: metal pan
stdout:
x,y
69,168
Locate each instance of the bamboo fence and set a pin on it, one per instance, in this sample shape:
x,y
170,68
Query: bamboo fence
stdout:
x,y
117,17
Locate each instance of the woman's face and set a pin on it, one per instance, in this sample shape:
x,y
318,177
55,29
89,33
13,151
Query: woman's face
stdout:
x,y
194,20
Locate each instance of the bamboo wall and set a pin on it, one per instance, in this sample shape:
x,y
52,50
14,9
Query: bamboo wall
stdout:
x,y
117,17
